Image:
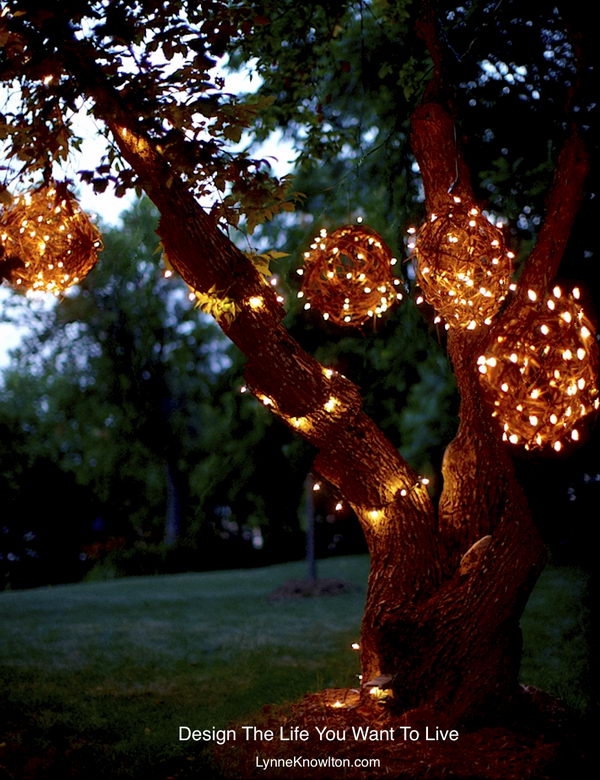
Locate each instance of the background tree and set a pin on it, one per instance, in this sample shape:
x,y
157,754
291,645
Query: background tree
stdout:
x,y
441,619
136,400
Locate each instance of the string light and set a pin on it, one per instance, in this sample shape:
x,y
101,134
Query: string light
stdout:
x,y
255,302
539,373
347,276
381,695
47,243
463,266
275,282
331,404
299,422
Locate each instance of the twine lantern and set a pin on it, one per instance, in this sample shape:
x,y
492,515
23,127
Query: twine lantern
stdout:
x,y
47,243
539,374
347,276
463,266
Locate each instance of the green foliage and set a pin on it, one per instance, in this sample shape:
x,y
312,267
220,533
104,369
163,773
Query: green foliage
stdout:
x,y
350,126
128,398
108,381
218,305
506,67
340,46
159,58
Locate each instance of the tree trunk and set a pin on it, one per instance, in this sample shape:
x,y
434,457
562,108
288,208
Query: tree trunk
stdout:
x,y
455,653
173,508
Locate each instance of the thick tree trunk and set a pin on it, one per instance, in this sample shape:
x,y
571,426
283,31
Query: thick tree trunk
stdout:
x,y
456,653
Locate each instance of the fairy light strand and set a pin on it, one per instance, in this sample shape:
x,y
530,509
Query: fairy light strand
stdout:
x,y
333,406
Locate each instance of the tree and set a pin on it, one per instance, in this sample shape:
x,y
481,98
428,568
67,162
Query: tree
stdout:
x,y
136,398
448,583
97,357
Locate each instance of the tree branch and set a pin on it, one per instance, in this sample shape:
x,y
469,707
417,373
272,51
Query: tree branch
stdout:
x,y
564,200
320,405
441,162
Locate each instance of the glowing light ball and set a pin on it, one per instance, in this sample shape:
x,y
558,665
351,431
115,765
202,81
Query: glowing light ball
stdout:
x,y
347,276
539,374
463,266
47,243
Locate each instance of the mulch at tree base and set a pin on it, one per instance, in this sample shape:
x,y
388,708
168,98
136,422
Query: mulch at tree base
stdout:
x,y
538,745
292,589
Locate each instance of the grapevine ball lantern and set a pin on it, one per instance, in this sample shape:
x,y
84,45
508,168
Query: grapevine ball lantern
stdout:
x,y
463,266
347,276
47,243
539,373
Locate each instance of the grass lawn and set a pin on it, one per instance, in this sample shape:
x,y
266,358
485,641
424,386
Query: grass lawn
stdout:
x,y
97,677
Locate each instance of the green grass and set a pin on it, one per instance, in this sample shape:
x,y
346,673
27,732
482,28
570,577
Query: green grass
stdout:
x,y
98,676
556,621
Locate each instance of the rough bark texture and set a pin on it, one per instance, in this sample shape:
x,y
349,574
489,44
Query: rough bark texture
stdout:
x,y
442,615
